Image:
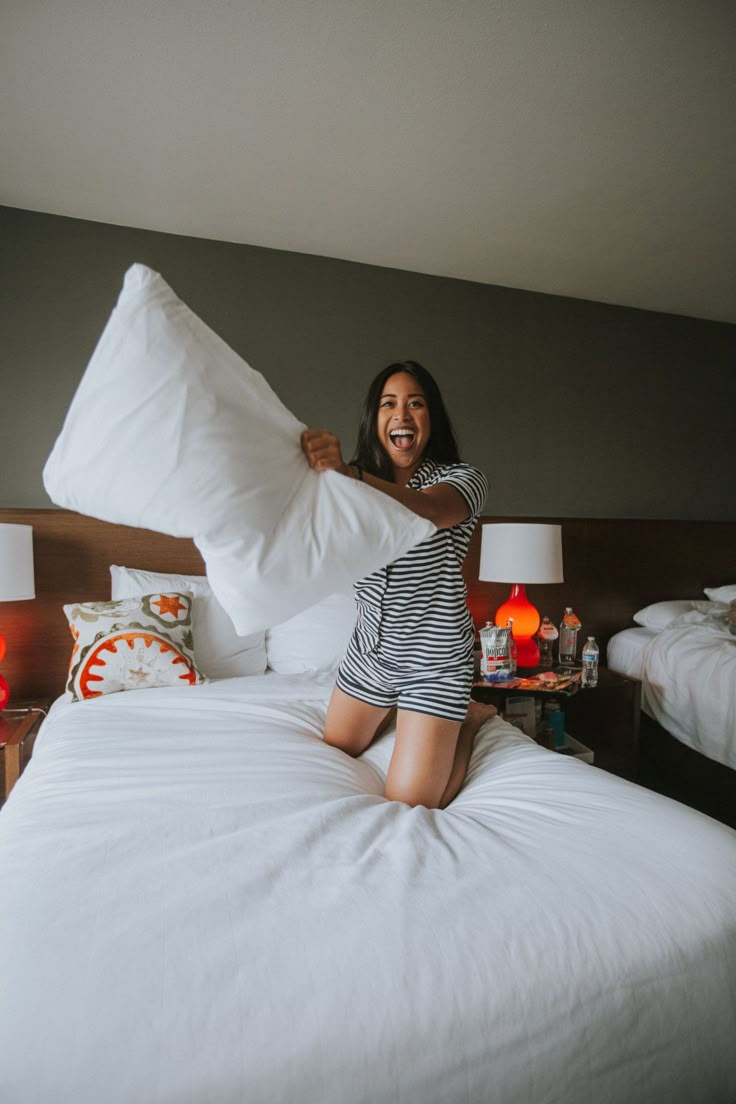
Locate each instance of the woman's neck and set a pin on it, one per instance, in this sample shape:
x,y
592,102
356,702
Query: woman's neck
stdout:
x,y
403,476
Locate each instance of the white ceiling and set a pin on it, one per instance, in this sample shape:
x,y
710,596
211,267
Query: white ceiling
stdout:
x,y
580,147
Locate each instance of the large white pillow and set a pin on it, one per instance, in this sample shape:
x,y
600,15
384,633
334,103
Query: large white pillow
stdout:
x,y
171,430
218,650
313,641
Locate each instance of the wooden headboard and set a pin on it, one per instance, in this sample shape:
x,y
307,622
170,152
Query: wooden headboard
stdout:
x,y
612,568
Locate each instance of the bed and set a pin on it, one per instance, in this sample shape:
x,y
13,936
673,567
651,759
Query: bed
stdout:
x,y
201,901
685,657
688,675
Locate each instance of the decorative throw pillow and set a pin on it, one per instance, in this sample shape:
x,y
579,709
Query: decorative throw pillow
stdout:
x,y
313,641
171,430
218,650
130,645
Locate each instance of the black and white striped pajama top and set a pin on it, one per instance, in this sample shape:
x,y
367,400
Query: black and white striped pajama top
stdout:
x,y
413,639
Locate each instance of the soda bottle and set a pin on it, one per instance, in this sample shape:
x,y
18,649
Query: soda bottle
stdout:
x,y
546,637
569,630
590,663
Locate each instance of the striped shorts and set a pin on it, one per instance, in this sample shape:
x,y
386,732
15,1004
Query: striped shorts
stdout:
x,y
374,679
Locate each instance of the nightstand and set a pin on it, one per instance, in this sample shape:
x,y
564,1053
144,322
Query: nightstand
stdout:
x,y
604,718
19,725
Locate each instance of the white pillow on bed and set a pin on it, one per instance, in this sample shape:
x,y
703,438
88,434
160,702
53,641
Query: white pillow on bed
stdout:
x,y
218,650
722,594
313,641
660,615
171,430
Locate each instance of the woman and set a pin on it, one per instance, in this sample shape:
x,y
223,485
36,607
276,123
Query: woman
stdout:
x,y
412,646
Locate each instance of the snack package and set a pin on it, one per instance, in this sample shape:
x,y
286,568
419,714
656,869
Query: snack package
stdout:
x,y
495,660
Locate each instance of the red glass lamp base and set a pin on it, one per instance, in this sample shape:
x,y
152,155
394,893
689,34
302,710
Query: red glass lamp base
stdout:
x,y
526,622
4,688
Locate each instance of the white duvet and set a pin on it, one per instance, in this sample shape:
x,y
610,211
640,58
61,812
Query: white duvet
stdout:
x,y
202,902
688,674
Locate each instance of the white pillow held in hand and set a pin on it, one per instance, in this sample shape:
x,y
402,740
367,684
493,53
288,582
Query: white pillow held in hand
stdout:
x,y
171,430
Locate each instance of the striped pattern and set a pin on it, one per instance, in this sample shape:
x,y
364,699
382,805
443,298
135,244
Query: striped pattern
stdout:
x,y
441,692
413,622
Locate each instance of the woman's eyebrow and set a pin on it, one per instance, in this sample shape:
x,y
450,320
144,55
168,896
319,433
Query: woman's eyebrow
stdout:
x,y
413,395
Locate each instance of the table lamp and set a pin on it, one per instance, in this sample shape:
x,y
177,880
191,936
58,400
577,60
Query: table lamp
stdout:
x,y
520,553
16,578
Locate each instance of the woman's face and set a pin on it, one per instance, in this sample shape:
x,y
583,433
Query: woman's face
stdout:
x,y
403,424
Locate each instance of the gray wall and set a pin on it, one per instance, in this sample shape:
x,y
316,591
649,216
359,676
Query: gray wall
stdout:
x,y
573,408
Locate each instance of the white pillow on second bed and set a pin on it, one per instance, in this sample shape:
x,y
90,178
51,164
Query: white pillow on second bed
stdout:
x,y
725,593
171,430
660,615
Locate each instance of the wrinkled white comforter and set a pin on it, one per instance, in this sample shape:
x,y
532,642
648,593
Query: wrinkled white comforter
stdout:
x,y
202,902
689,684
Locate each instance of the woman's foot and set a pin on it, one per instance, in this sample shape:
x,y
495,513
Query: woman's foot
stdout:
x,y
478,713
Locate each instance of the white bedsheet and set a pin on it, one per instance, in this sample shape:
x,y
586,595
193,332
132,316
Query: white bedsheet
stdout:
x,y
688,674
625,651
202,902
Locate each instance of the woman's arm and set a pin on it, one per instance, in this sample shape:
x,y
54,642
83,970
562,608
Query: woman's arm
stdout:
x,y
442,504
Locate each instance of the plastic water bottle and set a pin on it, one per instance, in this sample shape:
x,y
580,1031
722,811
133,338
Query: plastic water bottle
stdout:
x,y
513,649
546,637
590,663
569,630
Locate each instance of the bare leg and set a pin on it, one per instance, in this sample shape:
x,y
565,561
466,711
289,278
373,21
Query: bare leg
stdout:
x,y
422,758
477,714
352,725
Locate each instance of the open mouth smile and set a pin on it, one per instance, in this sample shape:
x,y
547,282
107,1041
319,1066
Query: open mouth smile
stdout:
x,y
402,439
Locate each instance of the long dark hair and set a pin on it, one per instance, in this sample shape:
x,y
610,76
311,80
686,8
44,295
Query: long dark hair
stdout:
x,y
442,445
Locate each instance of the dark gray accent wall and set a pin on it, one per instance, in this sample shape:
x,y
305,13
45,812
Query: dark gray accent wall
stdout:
x,y
572,408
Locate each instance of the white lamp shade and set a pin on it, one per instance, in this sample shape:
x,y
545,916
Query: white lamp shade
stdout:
x,y
521,552
16,563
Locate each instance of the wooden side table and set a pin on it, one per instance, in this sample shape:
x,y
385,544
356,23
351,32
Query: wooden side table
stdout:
x,y
605,718
19,725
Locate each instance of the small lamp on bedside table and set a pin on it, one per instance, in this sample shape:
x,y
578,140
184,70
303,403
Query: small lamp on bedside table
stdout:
x,y
16,577
521,553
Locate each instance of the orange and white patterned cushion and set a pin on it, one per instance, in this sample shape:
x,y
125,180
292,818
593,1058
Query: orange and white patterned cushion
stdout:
x,y
131,644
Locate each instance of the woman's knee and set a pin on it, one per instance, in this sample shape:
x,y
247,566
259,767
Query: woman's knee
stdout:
x,y
350,724
413,794
344,741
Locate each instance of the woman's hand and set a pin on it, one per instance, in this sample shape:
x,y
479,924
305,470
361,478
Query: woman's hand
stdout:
x,y
322,450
